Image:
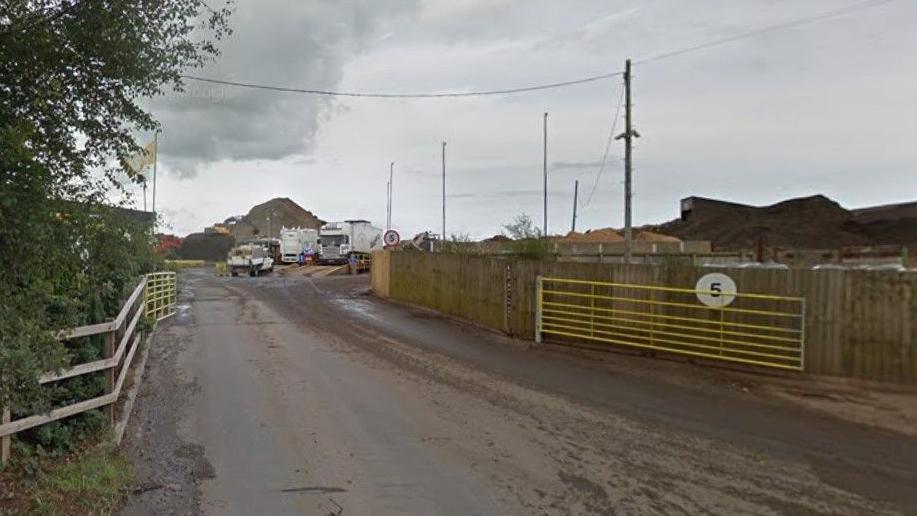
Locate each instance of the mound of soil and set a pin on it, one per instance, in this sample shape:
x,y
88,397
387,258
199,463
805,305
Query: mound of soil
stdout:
x,y
652,236
270,217
815,222
205,246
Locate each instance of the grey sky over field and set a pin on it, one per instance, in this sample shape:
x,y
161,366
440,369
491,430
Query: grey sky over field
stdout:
x,y
822,107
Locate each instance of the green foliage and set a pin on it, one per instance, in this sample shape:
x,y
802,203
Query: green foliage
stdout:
x,y
522,228
527,239
73,75
94,483
460,243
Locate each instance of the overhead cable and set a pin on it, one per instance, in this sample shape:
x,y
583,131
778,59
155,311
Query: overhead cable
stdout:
x,y
792,23
407,95
777,26
611,136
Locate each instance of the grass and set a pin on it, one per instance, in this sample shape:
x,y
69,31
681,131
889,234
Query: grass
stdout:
x,y
92,482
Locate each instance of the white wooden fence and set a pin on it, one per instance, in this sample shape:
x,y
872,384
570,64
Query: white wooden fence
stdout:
x,y
153,297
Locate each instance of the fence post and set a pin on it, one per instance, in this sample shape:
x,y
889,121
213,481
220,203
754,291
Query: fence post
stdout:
x,y
507,298
539,294
110,373
802,337
5,440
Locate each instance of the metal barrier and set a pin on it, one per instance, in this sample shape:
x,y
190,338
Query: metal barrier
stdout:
x,y
159,295
757,329
184,264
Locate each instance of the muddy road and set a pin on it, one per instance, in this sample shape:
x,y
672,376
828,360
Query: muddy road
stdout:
x,y
293,395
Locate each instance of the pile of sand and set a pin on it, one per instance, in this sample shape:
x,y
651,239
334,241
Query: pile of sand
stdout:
x,y
593,236
652,236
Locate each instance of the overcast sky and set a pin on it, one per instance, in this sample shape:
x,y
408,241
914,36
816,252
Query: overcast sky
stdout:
x,y
826,107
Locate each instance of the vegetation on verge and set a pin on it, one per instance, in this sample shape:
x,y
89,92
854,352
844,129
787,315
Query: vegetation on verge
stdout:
x,y
92,480
74,74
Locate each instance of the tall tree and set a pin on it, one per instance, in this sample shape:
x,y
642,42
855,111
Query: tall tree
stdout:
x,y
73,75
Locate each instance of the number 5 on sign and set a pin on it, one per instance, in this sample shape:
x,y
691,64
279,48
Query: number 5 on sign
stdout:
x,y
716,290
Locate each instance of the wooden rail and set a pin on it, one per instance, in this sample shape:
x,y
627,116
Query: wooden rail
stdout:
x,y
153,297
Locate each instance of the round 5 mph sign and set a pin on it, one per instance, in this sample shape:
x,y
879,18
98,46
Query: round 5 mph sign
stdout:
x,y
391,238
716,290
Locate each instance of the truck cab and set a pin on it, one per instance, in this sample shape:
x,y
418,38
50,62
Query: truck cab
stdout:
x,y
338,241
334,243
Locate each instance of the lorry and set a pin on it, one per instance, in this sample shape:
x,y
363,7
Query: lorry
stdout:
x,y
252,258
294,241
339,241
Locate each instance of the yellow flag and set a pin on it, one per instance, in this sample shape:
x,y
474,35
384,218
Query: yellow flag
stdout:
x,y
140,160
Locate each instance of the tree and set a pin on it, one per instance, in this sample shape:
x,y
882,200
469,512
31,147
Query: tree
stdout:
x,y
73,75
522,228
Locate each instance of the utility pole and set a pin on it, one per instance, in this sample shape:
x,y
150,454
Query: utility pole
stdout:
x,y
629,134
575,194
391,187
544,235
443,246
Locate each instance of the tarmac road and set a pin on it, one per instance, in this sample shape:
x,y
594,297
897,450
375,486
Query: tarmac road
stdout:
x,y
292,395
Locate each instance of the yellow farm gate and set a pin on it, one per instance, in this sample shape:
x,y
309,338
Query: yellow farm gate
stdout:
x,y
159,295
756,329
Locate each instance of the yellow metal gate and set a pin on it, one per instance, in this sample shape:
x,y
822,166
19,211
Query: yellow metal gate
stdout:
x,y
159,295
758,329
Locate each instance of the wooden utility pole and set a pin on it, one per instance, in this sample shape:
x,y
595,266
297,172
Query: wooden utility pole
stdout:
x,y
443,246
575,194
628,135
544,235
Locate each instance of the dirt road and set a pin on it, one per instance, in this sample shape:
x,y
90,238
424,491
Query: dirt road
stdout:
x,y
292,395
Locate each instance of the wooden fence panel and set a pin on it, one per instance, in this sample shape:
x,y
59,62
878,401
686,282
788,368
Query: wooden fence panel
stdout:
x,y
858,323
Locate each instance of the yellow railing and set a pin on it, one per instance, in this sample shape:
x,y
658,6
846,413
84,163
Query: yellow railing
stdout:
x,y
184,264
159,295
757,329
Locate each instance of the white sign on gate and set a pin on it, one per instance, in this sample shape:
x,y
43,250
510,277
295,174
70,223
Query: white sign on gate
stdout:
x,y
716,290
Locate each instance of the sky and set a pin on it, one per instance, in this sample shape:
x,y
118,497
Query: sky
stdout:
x,y
823,107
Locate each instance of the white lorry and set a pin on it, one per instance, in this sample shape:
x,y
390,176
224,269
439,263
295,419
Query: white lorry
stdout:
x,y
294,241
338,241
251,258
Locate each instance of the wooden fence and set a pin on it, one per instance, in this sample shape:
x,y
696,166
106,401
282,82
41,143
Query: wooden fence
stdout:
x,y
858,323
153,297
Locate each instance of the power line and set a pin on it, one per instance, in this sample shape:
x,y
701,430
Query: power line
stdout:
x,y
792,23
777,26
611,136
523,89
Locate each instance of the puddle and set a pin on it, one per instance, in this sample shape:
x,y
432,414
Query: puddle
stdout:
x,y
357,306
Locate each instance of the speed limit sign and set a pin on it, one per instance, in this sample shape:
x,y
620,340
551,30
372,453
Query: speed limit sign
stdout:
x,y
716,290
391,238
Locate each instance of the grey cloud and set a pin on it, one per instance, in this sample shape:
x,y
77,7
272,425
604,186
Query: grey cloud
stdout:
x,y
283,42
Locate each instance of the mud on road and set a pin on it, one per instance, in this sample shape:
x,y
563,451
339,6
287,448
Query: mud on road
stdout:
x,y
291,395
